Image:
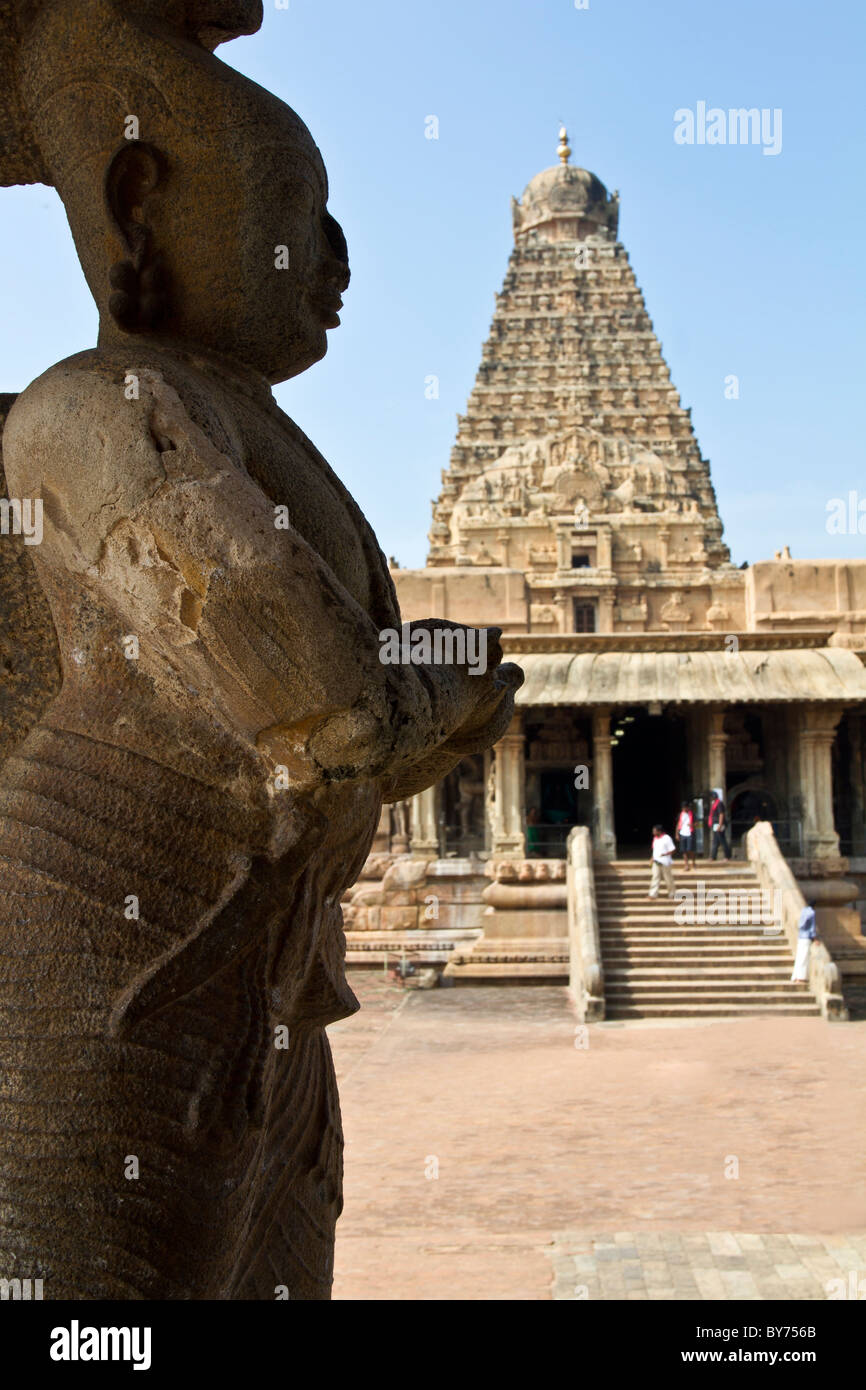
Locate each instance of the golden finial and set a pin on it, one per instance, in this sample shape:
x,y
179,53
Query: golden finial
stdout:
x,y
564,150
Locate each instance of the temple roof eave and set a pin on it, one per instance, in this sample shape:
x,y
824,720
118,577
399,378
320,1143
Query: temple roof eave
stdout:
x,y
683,670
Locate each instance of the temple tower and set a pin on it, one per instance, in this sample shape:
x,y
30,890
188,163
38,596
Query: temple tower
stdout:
x,y
575,452
578,516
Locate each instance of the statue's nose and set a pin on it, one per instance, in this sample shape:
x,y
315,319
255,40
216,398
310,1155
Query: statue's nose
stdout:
x,y
337,241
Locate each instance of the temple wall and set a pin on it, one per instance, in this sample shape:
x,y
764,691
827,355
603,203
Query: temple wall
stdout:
x,y
480,597
806,594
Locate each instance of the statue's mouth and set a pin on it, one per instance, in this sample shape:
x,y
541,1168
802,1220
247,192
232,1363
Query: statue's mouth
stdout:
x,y
329,303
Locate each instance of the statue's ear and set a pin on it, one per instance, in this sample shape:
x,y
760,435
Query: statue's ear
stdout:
x,y
139,281
134,172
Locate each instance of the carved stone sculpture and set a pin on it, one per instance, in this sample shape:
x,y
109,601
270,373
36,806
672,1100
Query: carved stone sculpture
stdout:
x,y
182,818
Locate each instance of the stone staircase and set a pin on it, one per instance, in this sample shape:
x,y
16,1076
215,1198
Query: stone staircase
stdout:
x,y
711,966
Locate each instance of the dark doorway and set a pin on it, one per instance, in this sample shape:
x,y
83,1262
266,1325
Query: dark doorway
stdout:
x,y
650,777
849,767
584,616
748,805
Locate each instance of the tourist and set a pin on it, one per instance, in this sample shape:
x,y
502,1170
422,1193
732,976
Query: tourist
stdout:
x,y
686,835
663,850
806,934
533,820
718,824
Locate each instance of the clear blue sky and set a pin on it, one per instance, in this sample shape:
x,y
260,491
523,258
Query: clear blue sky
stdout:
x,y
750,264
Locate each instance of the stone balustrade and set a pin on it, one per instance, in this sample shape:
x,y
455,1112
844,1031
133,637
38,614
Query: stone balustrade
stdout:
x,y
586,973
776,877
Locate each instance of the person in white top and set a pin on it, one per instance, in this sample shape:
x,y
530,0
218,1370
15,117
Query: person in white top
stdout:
x,y
663,856
686,836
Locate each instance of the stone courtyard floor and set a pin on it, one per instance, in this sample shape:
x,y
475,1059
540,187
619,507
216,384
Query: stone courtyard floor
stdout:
x,y
488,1157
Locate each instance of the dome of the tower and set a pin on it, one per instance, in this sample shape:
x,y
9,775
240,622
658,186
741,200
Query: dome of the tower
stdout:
x,y
563,188
565,203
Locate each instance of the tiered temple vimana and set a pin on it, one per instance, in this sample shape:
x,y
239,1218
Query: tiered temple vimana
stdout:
x,y
578,514
205,751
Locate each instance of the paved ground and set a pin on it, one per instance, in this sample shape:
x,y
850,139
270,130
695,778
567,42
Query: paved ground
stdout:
x,y
488,1157
716,1264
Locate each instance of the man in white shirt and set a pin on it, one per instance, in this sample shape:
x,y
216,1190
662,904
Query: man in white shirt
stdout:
x,y
663,858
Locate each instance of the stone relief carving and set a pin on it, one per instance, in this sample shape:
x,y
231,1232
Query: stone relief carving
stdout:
x,y
676,611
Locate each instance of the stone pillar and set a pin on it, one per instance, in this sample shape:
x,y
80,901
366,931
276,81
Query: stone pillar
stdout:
x,y
425,832
564,610
603,832
382,838
503,536
664,537
508,795
604,548
817,731
716,741
489,785
697,744
858,810
563,550
605,611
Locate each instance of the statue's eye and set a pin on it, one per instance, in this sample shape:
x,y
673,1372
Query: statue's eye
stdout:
x,y
336,239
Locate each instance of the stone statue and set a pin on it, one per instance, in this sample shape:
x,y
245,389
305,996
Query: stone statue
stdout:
x,y
180,822
400,827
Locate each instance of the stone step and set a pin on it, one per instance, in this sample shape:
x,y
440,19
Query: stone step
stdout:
x,y
655,975
712,895
709,876
630,885
672,931
710,890
702,990
616,882
626,866
669,922
802,1008
662,900
692,960
514,972
658,967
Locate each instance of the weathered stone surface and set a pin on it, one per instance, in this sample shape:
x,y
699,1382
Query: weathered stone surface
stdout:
x,y
29,659
405,874
180,823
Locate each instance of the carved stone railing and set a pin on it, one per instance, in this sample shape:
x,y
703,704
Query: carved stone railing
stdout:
x,y
586,975
776,878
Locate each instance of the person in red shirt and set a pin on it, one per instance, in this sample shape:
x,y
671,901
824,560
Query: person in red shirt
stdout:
x,y
718,823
